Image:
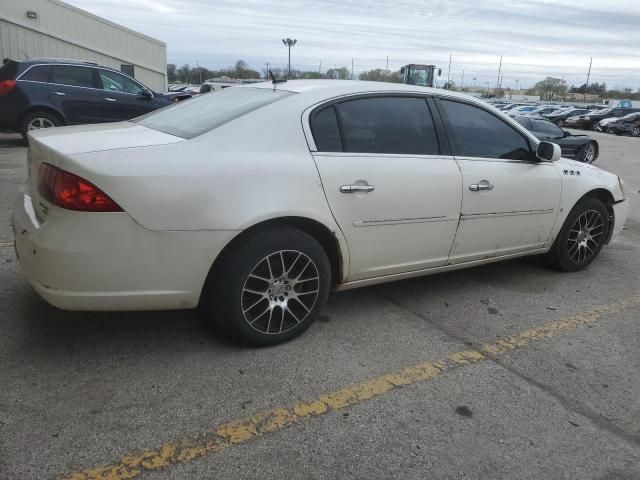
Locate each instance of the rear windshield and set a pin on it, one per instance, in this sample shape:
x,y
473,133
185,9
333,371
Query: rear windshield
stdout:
x,y
9,71
199,115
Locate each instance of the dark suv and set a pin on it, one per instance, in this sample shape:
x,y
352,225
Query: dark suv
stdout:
x,y
41,93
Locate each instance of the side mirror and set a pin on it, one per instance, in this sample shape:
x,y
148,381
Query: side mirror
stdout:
x,y
147,94
566,134
439,72
548,152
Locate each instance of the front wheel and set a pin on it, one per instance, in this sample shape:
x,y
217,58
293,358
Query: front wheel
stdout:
x,y
587,153
270,288
582,236
635,132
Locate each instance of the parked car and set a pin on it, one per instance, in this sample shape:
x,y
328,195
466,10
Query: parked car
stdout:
x,y
521,110
559,117
44,92
603,125
579,147
215,204
544,110
627,125
588,120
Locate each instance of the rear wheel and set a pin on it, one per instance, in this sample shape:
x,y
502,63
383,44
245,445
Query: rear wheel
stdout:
x,y
270,288
582,236
36,121
587,153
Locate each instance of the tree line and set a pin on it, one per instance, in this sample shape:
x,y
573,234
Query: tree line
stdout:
x,y
240,70
552,88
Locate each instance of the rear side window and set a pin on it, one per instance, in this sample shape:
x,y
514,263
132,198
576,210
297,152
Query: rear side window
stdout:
x,y
199,115
474,132
39,73
401,125
72,76
326,131
9,71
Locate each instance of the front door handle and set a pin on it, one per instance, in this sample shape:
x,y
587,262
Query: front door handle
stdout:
x,y
483,185
62,94
356,188
109,99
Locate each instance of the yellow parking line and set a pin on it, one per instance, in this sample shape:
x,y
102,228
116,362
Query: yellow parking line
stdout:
x,y
240,431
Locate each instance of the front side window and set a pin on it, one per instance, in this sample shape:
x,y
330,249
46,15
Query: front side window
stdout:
x,y
72,76
400,125
114,82
39,73
202,114
546,127
474,132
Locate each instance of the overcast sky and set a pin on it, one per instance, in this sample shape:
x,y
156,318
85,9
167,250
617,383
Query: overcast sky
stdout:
x,y
536,37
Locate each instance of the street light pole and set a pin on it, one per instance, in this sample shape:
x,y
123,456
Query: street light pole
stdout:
x,y
288,42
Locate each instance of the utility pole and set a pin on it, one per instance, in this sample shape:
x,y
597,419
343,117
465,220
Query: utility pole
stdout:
x,y
352,69
267,75
320,68
499,72
462,82
488,83
474,82
386,68
449,74
588,76
289,43
517,82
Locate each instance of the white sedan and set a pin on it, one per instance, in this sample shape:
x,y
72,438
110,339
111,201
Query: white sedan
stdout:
x,y
254,202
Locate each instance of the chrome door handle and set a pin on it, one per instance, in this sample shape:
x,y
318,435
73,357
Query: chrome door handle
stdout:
x,y
483,185
109,99
62,94
356,188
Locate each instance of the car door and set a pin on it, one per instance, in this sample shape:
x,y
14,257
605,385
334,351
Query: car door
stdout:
x,y
395,196
72,91
510,199
123,98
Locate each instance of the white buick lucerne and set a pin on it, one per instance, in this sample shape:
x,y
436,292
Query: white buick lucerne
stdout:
x,y
254,202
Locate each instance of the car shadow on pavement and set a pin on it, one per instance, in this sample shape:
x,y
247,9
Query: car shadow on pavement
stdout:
x,y
12,140
48,332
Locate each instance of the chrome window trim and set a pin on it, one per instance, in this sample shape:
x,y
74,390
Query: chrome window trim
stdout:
x,y
19,78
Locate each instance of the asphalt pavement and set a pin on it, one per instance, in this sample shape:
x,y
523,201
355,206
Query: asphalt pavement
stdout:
x,y
506,371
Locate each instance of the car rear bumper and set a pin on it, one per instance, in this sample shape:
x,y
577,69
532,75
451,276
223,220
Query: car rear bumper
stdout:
x,y
106,261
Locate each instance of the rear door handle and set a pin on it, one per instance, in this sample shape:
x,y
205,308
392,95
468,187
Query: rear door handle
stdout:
x,y
356,188
62,94
483,185
109,99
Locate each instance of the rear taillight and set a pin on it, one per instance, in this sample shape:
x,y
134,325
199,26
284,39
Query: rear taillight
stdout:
x,y
6,86
69,191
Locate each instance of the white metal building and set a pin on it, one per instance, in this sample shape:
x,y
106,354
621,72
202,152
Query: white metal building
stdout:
x,y
51,28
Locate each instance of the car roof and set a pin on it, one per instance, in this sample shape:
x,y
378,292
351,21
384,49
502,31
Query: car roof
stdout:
x,y
320,90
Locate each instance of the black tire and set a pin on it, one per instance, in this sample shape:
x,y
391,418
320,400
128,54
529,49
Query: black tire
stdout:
x,y
32,116
560,122
635,131
562,255
583,154
230,292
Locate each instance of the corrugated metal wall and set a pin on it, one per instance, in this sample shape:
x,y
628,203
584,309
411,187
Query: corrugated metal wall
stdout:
x,y
61,30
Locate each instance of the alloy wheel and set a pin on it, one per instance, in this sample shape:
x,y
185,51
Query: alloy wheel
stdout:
x,y
38,123
280,292
589,153
635,131
586,236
